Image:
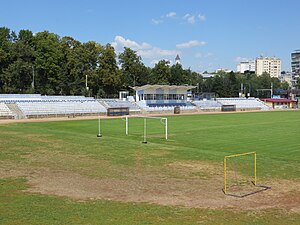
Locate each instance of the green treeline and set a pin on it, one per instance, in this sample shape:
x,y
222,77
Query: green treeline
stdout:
x,y
48,64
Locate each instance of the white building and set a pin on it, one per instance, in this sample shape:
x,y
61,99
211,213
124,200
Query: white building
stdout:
x,y
242,67
223,70
270,65
207,75
162,94
177,60
289,77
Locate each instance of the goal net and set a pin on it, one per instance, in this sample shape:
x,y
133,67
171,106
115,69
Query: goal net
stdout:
x,y
240,174
147,127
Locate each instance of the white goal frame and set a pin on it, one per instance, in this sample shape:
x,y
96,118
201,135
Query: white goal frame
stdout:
x,y
163,120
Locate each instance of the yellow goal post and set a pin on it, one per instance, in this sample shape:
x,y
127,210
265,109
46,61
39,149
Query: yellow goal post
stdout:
x,y
238,155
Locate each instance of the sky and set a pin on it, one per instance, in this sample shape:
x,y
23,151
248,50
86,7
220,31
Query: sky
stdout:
x,y
207,34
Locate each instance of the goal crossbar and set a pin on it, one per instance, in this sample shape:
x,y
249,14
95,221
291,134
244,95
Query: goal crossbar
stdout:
x,y
163,120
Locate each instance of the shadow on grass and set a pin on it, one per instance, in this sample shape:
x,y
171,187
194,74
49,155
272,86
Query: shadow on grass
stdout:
x,y
261,188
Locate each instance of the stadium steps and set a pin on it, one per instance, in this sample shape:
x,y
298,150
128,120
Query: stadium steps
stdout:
x,y
102,102
16,111
197,108
262,102
139,107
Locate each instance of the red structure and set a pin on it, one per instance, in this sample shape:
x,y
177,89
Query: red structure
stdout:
x,y
282,103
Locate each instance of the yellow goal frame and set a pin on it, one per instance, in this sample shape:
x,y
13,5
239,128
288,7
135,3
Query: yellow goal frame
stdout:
x,y
237,155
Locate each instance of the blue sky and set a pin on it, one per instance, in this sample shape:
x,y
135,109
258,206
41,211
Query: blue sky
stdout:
x,y
207,34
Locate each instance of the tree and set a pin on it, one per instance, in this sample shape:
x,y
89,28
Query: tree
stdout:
x,y
132,68
18,76
62,65
47,62
264,81
71,71
225,84
109,71
6,41
195,78
161,73
232,85
200,83
276,82
298,83
208,85
81,62
176,77
217,85
285,85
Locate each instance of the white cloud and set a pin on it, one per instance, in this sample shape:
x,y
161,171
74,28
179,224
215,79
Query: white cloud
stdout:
x,y
240,59
171,15
189,18
156,53
144,49
191,44
186,16
156,22
120,42
155,61
202,17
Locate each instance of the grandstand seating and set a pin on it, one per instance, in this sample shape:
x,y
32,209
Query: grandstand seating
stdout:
x,y
60,107
16,96
38,105
117,103
166,106
30,105
66,98
5,111
208,104
180,104
244,103
19,97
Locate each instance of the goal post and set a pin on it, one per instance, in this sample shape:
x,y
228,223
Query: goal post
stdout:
x,y
99,127
251,169
163,121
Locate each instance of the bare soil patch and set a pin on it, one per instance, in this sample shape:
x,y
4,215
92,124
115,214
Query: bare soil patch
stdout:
x,y
159,186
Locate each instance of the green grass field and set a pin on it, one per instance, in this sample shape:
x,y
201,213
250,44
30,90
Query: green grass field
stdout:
x,y
138,182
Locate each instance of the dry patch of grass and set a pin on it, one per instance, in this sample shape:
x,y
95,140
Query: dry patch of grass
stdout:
x,y
146,184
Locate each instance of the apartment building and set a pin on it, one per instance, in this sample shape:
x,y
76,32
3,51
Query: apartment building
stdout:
x,y
249,65
270,65
296,62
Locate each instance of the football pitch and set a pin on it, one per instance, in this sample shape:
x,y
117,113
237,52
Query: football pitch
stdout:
x,y
62,173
